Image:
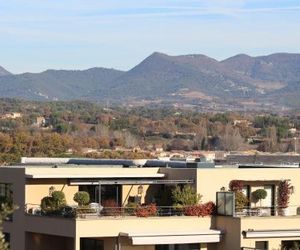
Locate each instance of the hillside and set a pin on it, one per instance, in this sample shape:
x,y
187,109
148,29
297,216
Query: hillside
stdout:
x,y
4,72
57,84
187,79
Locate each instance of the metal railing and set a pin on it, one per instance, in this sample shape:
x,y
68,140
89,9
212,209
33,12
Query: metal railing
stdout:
x,y
291,210
94,210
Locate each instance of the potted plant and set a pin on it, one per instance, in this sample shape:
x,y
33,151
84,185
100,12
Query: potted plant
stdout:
x,y
241,201
284,192
82,198
258,195
54,204
236,185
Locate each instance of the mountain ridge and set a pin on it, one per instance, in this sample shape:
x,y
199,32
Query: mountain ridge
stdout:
x,y
4,72
191,78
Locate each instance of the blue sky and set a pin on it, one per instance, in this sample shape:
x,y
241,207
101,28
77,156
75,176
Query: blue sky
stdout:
x,y
77,34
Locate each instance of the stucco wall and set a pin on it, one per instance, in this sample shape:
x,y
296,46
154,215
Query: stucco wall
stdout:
x,y
209,181
37,189
111,227
268,223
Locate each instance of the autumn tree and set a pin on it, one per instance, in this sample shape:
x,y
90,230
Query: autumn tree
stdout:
x,y
231,139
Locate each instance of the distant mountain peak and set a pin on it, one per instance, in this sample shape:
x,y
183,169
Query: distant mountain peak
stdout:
x,y
4,72
167,78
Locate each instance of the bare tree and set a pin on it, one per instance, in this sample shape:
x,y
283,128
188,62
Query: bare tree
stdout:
x,y
130,140
231,139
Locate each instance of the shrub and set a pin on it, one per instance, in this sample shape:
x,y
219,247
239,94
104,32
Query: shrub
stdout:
x,y
146,211
59,198
47,204
284,192
240,200
236,185
53,204
200,209
186,196
259,195
82,198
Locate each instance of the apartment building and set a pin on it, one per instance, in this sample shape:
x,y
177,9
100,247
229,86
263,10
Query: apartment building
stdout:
x,y
107,225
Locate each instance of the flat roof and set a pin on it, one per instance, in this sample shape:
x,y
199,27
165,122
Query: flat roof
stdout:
x,y
91,173
100,176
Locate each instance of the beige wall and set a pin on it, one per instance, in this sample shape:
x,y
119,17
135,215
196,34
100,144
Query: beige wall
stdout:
x,y
38,189
132,190
111,227
209,181
268,223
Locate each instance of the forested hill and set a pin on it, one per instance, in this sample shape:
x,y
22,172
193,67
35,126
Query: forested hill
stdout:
x,y
192,79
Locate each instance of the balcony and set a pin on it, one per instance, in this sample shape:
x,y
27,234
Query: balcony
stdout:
x,y
292,210
95,211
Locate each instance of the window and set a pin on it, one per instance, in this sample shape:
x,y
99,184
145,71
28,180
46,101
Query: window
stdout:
x,y
290,244
246,191
91,244
261,245
178,247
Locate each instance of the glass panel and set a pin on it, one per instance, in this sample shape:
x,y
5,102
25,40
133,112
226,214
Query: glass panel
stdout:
x,y
221,203
267,202
91,244
178,247
261,245
229,205
290,244
225,203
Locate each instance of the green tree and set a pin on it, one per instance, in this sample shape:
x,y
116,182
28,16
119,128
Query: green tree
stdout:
x,y
185,196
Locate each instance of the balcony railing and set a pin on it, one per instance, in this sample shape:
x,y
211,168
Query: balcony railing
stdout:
x,y
292,210
94,210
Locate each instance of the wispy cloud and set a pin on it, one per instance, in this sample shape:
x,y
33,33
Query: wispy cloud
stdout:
x,y
101,32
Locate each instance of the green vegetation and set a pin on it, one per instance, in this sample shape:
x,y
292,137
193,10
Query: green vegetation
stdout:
x,y
53,204
259,195
82,198
186,196
79,128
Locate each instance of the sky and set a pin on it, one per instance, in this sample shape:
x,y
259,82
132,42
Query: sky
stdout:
x,y
36,35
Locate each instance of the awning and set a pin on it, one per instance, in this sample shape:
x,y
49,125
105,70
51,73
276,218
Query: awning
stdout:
x,y
116,181
183,237
86,176
271,233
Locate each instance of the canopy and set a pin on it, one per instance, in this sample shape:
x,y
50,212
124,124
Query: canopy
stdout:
x,y
271,233
173,237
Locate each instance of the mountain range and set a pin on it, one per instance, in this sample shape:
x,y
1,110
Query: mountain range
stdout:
x,y
160,78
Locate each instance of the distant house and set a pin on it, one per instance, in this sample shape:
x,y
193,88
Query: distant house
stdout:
x,y
242,122
292,131
13,115
41,122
